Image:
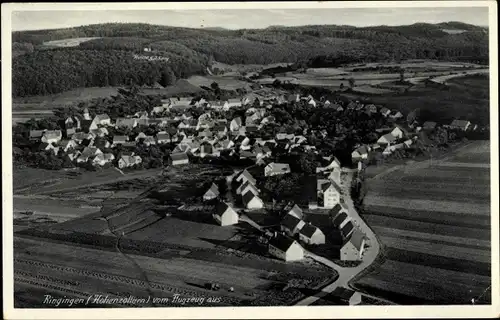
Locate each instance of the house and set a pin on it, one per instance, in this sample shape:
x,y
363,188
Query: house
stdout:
x,y
341,219
371,108
162,138
291,225
102,159
353,248
225,144
87,153
225,215
79,137
311,234
360,153
119,140
460,125
386,139
397,133
385,112
36,134
246,176
73,155
339,214
68,145
235,124
86,114
335,176
101,120
51,136
329,192
344,296
206,150
212,193
246,186
274,169
158,110
296,211
126,123
395,114
141,115
177,159
252,201
128,161
140,136
429,125
149,140
72,122
99,132
285,248
408,143
347,229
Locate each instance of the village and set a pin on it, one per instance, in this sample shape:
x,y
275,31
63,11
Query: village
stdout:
x,y
94,141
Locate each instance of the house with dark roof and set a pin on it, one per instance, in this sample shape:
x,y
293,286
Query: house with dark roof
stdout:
x,y
429,125
291,225
285,248
252,201
360,153
344,296
36,134
225,215
311,234
354,246
347,229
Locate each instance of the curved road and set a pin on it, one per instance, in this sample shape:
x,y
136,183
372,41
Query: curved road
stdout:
x,y
370,254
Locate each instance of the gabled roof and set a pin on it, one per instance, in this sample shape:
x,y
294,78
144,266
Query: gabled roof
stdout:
x,y
281,242
339,218
247,176
308,230
214,189
362,150
337,208
342,294
357,238
324,185
347,228
53,134
248,196
290,222
388,137
279,167
237,121
179,156
460,123
296,209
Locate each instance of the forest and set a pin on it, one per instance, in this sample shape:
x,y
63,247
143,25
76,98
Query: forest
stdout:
x,y
108,60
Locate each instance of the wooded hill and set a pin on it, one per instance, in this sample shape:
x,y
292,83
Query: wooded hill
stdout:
x,y
109,60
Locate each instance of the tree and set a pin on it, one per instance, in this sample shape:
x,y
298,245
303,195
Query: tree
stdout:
x,y
214,85
342,86
351,82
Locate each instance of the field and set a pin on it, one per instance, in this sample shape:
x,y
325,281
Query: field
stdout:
x,y
434,225
156,255
38,107
225,82
64,43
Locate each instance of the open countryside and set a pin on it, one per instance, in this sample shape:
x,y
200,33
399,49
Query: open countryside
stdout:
x,y
309,165
434,224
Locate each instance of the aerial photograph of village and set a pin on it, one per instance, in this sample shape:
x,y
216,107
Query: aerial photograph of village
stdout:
x,y
211,158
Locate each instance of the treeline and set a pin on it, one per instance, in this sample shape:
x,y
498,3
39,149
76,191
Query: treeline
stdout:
x,y
57,70
108,60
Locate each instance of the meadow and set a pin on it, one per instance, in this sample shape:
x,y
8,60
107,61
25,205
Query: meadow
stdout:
x,y
434,225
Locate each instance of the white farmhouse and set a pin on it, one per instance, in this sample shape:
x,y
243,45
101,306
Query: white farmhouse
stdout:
x,y
285,248
225,214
